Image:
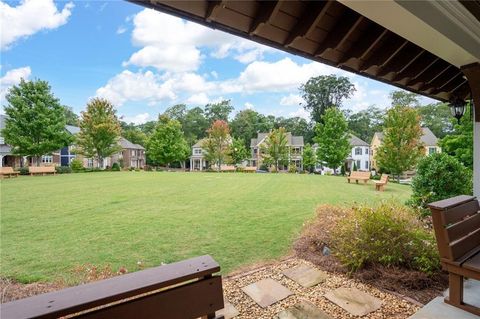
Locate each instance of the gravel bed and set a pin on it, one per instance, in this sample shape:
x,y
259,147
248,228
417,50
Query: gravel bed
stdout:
x,y
393,307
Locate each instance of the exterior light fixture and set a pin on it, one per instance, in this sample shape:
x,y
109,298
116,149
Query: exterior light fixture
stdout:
x,y
457,108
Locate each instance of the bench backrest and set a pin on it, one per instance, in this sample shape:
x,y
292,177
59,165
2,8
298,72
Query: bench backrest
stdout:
x,y
384,178
250,168
227,168
6,170
361,175
456,222
41,169
186,289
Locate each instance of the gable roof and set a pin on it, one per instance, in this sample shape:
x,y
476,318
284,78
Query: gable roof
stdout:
x,y
292,140
428,138
356,141
72,129
124,143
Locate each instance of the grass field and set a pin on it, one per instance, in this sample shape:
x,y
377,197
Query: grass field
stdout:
x,y
51,224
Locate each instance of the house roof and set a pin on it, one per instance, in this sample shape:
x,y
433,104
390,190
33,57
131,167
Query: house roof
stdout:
x,y
292,140
356,141
124,143
428,138
72,129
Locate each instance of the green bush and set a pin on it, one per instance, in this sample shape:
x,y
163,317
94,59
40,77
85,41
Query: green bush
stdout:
x,y
116,167
439,176
388,234
23,171
63,169
93,169
292,168
342,170
76,165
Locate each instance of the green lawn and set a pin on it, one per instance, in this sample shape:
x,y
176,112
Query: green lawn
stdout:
x,y
51,224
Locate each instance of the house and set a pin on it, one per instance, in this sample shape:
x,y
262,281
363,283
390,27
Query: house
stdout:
x,y
6,156
295,150
132,155
198,162
429,140
358,158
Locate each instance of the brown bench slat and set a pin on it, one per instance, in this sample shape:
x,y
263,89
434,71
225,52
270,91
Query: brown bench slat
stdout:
x,y
462,246
189,301
473,263
451,202
83,297
457,213
466,226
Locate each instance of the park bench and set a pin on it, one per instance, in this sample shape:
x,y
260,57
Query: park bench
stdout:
x,y
380,185
227,168
7,171
185,289
250,169
359,176
456,222
33,170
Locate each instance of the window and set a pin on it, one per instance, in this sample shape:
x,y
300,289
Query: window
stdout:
x,y
47,158
197,151
366,150
255,151
432,150
358,151
90,162
359,164
366,164
133,152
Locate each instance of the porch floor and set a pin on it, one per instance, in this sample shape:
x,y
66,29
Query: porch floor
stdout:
x,y
437,309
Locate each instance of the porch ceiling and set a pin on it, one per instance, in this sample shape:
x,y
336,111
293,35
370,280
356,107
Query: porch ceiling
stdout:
x,y
334,34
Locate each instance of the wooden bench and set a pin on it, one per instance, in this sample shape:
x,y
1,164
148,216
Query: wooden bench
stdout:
x,y
33,170
8,171
380,185
250,169
227,168
359,176
186,289
456,222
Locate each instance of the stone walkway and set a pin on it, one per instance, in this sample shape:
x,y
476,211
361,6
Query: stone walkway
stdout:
x,y
296,289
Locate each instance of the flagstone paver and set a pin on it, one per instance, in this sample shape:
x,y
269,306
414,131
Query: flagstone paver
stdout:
x,y
266,292
303,310
354,301
228,311
305,275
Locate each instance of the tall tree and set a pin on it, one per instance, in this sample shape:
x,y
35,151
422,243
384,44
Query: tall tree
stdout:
x,y
401,147
70,116
246,124
99,131
404,98
323,92
365,123
437,118
177,112
332,138
135,135
297,126
35,122
218,111
309,158
238,151
217,143
195,125
275,148
167,144
460,142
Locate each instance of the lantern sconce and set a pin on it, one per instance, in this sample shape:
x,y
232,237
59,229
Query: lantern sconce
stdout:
x,y
457,108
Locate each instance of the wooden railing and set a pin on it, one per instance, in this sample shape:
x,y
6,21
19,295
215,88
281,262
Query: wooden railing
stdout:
x,y
186,289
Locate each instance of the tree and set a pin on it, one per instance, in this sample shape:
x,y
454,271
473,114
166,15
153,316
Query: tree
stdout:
x,y
35,120
195,125
217,143
246,124
437,118
309,158
323,92
401,147
275,148
238,151
167,144
135,135
404,98
332,138
177,112
297,126
459,143
218,111
99,131
365,123
70,116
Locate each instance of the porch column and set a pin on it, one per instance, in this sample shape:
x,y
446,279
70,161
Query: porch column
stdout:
x,y
201,165
190,164
472,72
1,160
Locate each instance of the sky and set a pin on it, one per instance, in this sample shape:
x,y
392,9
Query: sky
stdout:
x,y
144,61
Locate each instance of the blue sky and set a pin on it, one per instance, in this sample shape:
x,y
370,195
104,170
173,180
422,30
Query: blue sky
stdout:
x,y
145,61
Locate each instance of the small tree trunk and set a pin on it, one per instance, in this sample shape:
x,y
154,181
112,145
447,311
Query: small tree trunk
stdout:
x,y
100,162
38,159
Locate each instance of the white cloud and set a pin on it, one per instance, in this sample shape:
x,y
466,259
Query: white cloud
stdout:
x,y
121,30
198,99
129,86
300,112
137,119
11,78
249,106
291,100
29,17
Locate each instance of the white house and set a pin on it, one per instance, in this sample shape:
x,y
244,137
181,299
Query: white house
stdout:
x,y
197,160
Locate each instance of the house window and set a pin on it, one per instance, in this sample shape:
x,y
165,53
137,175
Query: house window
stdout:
x,y
366,150
255,151
90,162
358,151
197,151
432,150
133,153
47,158
358,164
366,164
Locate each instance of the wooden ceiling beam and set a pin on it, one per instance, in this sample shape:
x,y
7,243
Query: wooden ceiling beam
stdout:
x,y
429,74
420,64
446,77
313,14
472,72
213,7
267,10
384,53
396,66
364,45
451,84
344,27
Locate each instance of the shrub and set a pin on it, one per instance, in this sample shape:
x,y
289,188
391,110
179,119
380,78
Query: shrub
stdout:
x,y
439,176
239,169
131,169
23,171
342,170
137,169
264,167
292,168
389,234
76,165
121,163
63,169
116,167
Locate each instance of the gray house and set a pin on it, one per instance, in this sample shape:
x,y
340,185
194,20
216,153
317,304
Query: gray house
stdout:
x,y
295,155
